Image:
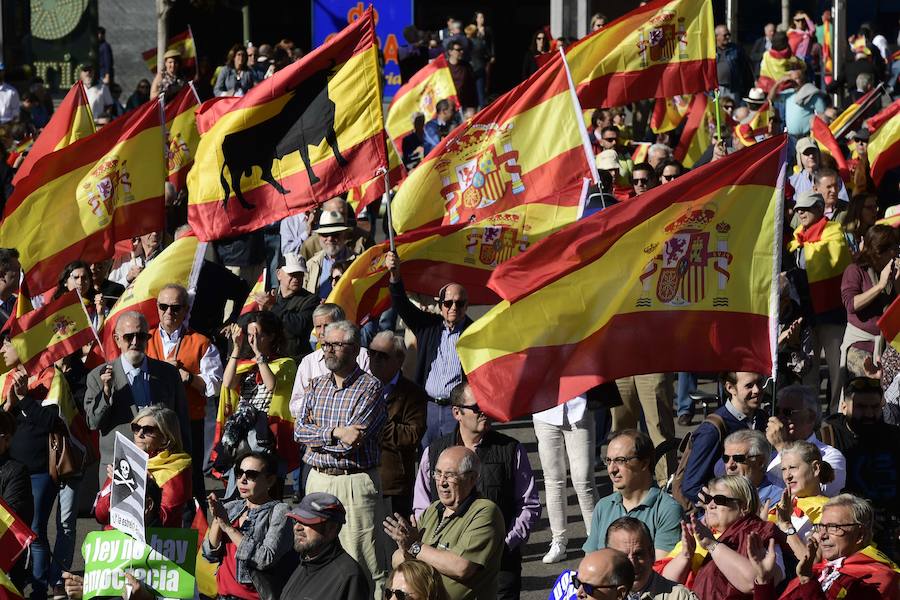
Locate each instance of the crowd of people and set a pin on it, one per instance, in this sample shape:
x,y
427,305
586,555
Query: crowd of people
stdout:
x,y
401,486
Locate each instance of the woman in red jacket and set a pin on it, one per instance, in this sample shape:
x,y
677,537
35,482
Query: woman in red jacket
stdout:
x,y
156,432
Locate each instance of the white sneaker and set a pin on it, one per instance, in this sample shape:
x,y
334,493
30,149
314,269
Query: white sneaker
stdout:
x,y
557,553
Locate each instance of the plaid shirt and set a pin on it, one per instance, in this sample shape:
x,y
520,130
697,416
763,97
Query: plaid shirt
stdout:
x,y
326,406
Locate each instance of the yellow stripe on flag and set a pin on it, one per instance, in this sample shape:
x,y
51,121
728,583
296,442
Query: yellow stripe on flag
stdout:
x,y
59,326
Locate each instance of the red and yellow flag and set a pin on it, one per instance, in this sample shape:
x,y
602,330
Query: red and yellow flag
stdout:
x,y
51,332
695,137
8,590
15,536
502,157
824,137
889,324
311,132
361,196
79,202
179,263
775,65
668,113
884,141
70,122
689,267
659,50
183,43
852,112
827,255
259,287
421,93
182,135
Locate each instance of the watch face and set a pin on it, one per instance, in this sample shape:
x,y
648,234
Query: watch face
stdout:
x,y
53,19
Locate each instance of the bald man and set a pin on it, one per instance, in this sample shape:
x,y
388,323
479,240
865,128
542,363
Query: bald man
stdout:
x,y
358,240
606,573
438,369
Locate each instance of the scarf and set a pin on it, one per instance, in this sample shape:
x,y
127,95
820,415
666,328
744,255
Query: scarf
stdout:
x,y
166,465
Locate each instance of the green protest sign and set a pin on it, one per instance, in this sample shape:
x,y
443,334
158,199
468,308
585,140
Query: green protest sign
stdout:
x,y
165,563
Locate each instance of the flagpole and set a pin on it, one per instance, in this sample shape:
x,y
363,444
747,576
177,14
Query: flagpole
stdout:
x,y
93,330
579,117
774,294
165,134
387,210
718,117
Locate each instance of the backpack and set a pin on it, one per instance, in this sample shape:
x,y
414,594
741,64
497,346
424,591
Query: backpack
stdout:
x,y
685,449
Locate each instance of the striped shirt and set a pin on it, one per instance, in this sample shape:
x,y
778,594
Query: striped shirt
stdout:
x,y
446,371
326,406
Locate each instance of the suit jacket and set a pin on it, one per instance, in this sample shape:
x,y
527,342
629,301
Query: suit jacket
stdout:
x,y
406,411
109,415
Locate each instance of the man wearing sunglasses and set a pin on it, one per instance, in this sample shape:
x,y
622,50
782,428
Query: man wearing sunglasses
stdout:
x,y
747,453
438,369
604,574
117,390
643,178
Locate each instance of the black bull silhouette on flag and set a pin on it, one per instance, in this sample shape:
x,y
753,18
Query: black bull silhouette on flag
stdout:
x,y
305,120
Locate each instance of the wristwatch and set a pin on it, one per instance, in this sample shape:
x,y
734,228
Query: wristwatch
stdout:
x,y
789,530
414,549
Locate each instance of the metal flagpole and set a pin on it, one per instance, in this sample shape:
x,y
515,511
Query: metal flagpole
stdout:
x,y
387,210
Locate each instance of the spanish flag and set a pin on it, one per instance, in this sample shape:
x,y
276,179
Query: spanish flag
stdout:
x,y
204,571
79,201
431,84
371,191
15,536
852,112
668,113
826,254
183,43
8,590
51,332
688,267
889,324
695,137
307,134
658,50
70,122
503,157
748,136
181,135
884,141
466,253
824,137
179,263
775,65
259,287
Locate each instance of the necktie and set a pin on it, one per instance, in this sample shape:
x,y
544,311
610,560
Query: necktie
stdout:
x,y
139,390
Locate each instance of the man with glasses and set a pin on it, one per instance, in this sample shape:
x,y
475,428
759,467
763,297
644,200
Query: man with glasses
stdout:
x,y
643,178
747,453
460,534
604,574
609,140
197,360
340,423
630,460
798,415
117,390
438,369
506,479
632,538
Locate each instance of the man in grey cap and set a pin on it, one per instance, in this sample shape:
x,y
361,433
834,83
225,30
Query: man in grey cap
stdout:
x,y
809,161
324,564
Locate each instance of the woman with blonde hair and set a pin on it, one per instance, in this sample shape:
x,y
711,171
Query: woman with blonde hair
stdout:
x,y
415,580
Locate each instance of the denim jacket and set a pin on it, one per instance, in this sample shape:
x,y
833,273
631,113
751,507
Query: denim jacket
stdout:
x,y
267,539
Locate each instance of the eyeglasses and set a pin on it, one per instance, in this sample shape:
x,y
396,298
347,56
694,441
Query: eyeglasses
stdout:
x,y
450,476
640,180
332,346
611,139
334,278
619,460
667,177
719,499
141,336
473,407
398,594
838,529
377,354
738,458
789,413
456,49
251,474
588,588
452,303
175,308
144,429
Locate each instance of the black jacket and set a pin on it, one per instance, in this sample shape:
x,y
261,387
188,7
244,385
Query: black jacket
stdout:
x,y
296,316
333,573
30,444
426,326
15,488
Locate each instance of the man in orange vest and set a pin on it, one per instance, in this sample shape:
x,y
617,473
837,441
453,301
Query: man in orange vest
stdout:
x,y
197,360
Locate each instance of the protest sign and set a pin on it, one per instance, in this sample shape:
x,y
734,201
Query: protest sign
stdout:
x,y
126,507
164,563
563,588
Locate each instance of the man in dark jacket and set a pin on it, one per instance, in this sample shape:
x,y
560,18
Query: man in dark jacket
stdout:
x,y
325,567
438,369
293,305
732,65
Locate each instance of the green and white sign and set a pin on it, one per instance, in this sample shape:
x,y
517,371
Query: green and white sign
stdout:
x,y
165,563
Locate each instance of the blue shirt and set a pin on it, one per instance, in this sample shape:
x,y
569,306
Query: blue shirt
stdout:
x,y
657,510
446,371
797,118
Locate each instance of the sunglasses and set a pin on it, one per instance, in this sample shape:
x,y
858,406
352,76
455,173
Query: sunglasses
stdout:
x,y
738,458
473,407
144,429
251,474
667,177
141,336
719,499
175,308
610,139
376,354
398,594
452,303
788,413
588,588
640,181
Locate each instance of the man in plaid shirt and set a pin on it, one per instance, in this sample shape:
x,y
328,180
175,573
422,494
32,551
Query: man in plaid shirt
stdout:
x,y
340,422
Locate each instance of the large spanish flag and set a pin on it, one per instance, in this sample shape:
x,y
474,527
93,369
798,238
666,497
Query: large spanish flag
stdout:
x,y
181,134
884,141
677,279
79,201
51,332
827,255
431,84
307,134
466,253
70,122
503,157
658,50
824,136
15,536
183,43
179,263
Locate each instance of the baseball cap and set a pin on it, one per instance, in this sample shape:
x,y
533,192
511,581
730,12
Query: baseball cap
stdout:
x,y
808,199
862,134
294,263
805,144
172,54
318,507
608,159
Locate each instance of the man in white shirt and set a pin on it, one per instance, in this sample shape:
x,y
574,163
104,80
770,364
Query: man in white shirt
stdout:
x,y
798,416
9,99
98,95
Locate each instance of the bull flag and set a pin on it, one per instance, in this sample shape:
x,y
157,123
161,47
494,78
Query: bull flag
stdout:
x,y
690,267
431,84
181,135
51,332
362,196
79,201
15,536
179,263
658,50
183,43
70,122
309,133
824,137
503,157
884,141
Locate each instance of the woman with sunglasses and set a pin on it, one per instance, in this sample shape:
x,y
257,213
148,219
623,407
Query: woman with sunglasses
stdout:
x,y
157,432
77,276
251,537
711,558
540,44
415,580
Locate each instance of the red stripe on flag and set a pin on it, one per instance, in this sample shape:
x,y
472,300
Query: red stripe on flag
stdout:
x,y
655,81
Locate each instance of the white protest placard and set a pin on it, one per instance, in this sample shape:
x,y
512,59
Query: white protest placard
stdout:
x,y
129,486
